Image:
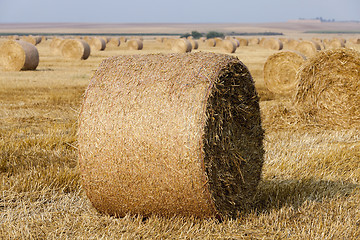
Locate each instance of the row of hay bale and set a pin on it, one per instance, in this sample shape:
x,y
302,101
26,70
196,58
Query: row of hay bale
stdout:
x,y
81,48
325,85
182,45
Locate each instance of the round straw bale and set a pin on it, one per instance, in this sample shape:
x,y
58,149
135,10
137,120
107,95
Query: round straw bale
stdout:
x,y
335,43
272,43
56,45
97,44
243,42
16,55
29,39
123,39
280,71
254,41
181,46
228,45
75,49
135,44
194,43
237,43
218,41
176,134
308,48
291,44
211,42
114,42
106,39
261,41
329,86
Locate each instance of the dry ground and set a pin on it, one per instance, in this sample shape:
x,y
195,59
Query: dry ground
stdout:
x,y
311,177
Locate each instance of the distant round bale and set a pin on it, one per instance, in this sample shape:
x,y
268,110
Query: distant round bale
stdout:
x,y
114,42
97,44
194,43
175,134
181,46
16,55
243,42
56,45
218,41
123,39
291,44
237,42
211,42
30,39
75,49
254,41
272,43
134,44
228,45
280,71
335,43
308,48
329,86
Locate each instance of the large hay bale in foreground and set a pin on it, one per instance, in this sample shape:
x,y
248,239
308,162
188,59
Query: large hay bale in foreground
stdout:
x,y
329,86
176,134
135,44
16,55
308,48
75,49
280,71
181,45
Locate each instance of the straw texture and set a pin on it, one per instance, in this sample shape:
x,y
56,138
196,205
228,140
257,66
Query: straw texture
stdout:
x,y
75,49
280,71
176,134
16,55
329,86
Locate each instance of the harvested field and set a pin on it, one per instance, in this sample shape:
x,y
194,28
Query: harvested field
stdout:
x,y
309,187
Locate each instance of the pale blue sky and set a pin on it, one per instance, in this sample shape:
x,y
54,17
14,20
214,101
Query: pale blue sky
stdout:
x,y
179,11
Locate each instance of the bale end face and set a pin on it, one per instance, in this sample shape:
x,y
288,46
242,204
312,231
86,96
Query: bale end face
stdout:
x,y
176,134
280,71
16,55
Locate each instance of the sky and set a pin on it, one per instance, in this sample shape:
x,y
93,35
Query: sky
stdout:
x,y
178,11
